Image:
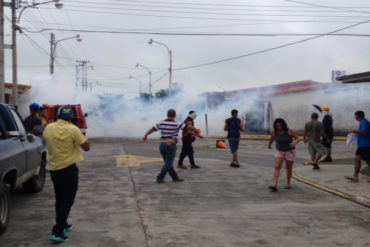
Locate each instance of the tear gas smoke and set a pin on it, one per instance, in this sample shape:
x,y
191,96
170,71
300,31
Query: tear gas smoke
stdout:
x,y
114,115
111,114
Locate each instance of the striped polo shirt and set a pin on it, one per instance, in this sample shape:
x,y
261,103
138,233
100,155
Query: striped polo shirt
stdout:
x,y
169,128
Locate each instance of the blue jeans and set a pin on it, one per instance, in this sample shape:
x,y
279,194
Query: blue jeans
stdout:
x,y
168,153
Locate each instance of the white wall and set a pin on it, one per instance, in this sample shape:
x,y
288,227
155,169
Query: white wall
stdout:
x,y
296,108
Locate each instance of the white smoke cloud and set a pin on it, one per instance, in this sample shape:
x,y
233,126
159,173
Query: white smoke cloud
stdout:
x,y
113,114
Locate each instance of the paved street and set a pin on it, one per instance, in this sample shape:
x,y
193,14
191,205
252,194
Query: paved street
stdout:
x,y
119,203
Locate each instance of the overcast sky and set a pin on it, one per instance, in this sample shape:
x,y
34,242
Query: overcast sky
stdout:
x,y
114,56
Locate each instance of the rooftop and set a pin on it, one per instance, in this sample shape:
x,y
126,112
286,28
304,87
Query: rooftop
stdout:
x,y
355,78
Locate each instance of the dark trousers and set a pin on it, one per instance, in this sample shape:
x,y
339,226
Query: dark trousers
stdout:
x,y
168,153
187,150
65,187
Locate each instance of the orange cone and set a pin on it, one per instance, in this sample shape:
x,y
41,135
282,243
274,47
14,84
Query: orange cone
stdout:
x,y
220,144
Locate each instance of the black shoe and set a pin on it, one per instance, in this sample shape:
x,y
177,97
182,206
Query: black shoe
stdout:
x,y
327,159
160,181
232,164
182,167
178,180
194,167
273,188
316,167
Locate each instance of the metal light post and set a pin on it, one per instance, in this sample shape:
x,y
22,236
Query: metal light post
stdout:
x,y
14,5
151,41
58,5
150,76
53,47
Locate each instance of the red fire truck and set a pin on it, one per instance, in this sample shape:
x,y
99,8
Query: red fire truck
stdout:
x,y
79,118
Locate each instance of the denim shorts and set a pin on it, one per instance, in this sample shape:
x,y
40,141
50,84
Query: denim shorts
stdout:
x,y
234,144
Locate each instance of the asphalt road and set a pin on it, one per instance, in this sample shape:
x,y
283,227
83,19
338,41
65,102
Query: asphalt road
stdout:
x,y
119,203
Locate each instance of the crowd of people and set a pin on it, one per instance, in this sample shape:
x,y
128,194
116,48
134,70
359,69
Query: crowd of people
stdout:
x,y
318,136
63,140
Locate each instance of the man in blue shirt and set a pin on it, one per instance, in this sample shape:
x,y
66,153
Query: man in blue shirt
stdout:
x,y
363,144
233,126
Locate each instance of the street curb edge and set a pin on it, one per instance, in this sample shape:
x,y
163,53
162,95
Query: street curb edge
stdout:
x,y
357,199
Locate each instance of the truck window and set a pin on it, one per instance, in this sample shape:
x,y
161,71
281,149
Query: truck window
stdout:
x,y
19,122
2,127
7,121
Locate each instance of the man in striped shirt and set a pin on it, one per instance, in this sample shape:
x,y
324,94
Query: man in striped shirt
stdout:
x,y
169,129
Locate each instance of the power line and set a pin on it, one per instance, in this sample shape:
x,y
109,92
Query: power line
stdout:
x,y
188,27
198,34
126,8
41,49
127,78
30,15
179,17
296,8
330,7
270,49
213,4
73,7
81,46
36,45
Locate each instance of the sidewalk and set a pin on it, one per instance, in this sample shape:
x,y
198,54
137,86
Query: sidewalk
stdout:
x,y
330,178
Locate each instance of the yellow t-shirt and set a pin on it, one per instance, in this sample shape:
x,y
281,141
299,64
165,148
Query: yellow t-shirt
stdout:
x,y
43,121
63,140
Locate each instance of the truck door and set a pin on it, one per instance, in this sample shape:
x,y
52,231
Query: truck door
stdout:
x,y
12,153
31,146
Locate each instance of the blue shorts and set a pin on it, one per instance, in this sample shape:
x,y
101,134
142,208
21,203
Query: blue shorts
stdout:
x,y
234,144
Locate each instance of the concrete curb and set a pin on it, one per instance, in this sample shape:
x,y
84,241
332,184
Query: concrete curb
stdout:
x,y
266,138
364,201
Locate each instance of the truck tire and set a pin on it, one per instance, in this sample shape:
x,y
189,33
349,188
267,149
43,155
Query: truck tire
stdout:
x,y
4,207
36,183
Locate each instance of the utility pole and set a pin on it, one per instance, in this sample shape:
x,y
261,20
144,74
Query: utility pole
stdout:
x,y
2,47
53,48
81,74
150,83
14,53
170,71
77,75
52,53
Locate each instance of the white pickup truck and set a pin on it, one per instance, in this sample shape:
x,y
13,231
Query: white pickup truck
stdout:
x,y
23,158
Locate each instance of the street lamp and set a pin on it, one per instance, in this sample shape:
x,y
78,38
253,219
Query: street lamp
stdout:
x,y
151,41
53,47
150,76
15,4
58,4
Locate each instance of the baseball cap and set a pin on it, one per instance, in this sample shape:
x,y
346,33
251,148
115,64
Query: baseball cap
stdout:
x,y
34,106
326,108
65,112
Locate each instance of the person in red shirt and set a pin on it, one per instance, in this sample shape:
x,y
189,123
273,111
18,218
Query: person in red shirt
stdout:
x,y
188,137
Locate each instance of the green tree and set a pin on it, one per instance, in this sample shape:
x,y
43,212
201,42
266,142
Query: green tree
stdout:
x,y
161,94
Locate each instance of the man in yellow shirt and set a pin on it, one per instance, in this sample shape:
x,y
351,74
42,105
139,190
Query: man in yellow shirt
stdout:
x,y
63,140
42,116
